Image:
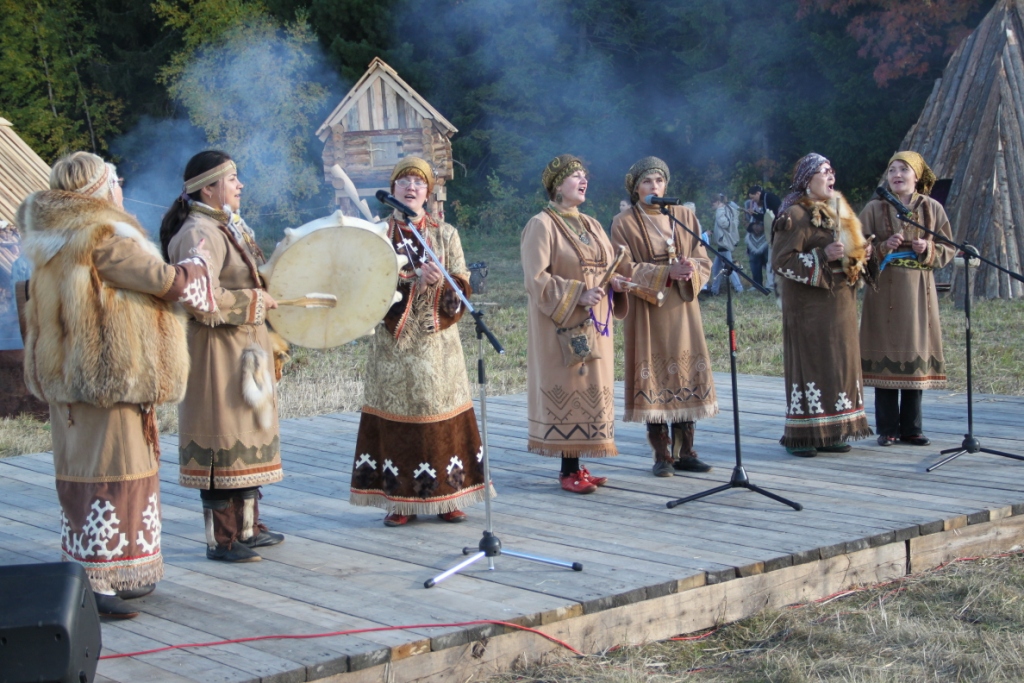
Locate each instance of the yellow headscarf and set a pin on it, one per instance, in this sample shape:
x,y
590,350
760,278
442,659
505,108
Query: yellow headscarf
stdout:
x,y
925,176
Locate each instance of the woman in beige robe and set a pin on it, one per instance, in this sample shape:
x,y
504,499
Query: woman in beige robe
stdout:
x,y
900,331
570,366
418,450
228,437
98,276
810,239
667,365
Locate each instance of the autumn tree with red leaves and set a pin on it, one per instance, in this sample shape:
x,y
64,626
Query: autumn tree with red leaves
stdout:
x,y
907,37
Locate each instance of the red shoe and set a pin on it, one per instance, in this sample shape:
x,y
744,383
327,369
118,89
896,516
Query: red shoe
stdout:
x,y
455,516
596,481
395,519
576,483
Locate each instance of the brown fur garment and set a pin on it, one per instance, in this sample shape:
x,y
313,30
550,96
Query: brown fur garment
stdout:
x,y
86,340
837,215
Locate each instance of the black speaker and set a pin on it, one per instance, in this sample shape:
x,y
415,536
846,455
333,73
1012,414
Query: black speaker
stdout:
x,y
49,627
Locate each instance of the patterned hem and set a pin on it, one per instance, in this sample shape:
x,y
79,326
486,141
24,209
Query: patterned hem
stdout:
x,y
894,383
202,481
122,574
825,431
669,416
418,506
550,450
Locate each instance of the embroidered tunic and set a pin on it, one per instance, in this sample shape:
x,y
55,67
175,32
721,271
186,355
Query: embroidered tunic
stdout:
x,y
418,450
900,331
221,440
570,414
667,365
819,328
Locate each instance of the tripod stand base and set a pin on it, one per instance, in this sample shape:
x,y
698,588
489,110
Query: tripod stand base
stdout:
x,y
490,547
739,480
971,444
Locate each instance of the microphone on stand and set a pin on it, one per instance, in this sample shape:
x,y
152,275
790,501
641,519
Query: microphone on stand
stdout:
x,y
887,196
385,197
652,200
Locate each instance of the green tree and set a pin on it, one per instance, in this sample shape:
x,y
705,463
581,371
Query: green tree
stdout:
x,y
47,51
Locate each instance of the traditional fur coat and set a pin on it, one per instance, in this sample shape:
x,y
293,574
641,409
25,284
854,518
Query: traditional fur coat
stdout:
x,y
87,339
101,346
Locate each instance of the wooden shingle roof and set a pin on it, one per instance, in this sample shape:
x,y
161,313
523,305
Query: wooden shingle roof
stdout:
x,y
380,71
22,172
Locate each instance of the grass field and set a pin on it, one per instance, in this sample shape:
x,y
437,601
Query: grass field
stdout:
x,y
318,382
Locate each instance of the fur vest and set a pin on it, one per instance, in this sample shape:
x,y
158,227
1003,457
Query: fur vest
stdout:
x,y
837,216
87,341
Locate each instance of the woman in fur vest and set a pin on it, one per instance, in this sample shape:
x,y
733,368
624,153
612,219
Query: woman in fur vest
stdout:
x,y
900,331
103,346
818,255
228,437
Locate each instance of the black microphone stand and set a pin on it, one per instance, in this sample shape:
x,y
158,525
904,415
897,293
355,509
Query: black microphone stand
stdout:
x,y
970,444
739,479
489,546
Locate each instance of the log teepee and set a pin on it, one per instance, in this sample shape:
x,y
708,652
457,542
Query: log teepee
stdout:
x,y
972,131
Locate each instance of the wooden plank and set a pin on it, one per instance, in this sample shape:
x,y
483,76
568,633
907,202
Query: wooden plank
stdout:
x,y
653,619
390,108
990,538
376,105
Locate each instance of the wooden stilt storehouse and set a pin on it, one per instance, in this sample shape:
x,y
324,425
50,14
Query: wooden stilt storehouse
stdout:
x,y
378,122
972,131
22,172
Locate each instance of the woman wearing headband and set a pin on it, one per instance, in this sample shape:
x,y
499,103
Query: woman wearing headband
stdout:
x,y
818,254
667,366
103,346
228,437
570,367
900,331
418,451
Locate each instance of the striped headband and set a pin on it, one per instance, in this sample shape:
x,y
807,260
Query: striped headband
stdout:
x,y
101,184
209,177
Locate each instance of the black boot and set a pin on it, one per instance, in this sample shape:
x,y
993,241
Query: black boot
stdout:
x,y
114,607
221,517
684,458
259,536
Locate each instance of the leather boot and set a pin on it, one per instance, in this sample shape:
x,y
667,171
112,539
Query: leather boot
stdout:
x,y
684,458
259,536
657,436
222,521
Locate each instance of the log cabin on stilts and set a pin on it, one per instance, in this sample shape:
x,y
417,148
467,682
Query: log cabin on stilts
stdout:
x,y
379,121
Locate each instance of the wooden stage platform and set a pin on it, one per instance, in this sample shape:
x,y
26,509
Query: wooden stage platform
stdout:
x,y
649,572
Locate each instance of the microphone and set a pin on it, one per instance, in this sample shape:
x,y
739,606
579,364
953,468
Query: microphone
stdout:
x,y
885,195
384,197
651,200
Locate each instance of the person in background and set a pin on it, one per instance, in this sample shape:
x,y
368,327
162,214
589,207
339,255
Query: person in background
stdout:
x,y
663,326
726,237
104,347
570,370
900,330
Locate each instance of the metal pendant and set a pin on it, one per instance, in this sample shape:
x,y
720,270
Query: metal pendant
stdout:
x,y
585,238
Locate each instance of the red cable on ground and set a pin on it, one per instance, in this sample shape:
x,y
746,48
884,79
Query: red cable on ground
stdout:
x,y
251,639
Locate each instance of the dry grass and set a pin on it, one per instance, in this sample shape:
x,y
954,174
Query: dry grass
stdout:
x,y
961,623
318,382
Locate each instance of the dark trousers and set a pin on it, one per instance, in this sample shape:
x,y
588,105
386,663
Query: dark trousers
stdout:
x,y
897,415
758,262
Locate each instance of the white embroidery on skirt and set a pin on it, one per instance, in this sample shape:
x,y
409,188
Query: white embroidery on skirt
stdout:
x,y
844,402
814,399
795,406
97,532
390,467
455,463
365,459
425,467
151,520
